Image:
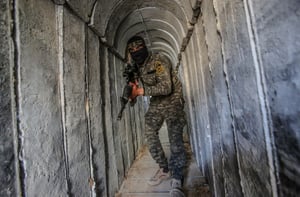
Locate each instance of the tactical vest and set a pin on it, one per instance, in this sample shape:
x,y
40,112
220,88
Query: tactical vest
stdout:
x,y
176,95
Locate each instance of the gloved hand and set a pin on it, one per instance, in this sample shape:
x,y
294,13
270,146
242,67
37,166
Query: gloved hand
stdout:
x,y
127,91
136,91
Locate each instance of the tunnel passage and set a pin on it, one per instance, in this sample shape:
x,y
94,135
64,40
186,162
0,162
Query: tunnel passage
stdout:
x,y
61,78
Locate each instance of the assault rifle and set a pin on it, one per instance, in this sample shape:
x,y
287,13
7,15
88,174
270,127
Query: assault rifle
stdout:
x,y
131,75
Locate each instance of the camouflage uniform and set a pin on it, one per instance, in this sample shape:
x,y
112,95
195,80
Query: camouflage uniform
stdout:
x,y
166,103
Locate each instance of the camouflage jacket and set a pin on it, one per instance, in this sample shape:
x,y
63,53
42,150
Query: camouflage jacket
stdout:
x,y
160,81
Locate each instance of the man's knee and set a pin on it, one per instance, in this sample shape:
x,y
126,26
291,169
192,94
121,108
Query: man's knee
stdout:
x,y
177,148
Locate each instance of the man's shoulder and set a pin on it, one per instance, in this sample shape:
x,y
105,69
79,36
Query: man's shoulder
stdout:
x,y
161,58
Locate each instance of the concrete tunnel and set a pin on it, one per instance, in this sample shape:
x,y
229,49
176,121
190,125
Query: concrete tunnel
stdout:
x,y
61,79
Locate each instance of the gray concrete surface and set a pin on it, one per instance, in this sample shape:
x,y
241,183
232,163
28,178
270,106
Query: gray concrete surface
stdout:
x,y
61,78
40,139
8,174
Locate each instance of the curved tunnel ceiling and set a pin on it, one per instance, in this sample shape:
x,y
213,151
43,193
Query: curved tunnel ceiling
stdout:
x,y
164,21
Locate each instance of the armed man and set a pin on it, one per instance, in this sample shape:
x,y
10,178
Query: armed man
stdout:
x,y
158,80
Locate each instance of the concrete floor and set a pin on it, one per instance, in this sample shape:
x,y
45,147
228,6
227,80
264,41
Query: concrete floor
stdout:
x,y
135,184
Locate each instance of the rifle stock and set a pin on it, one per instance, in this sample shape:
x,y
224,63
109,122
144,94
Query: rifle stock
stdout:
x,y
124,101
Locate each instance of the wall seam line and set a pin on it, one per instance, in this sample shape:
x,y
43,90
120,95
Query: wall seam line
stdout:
x,y
223,64
261,89
16,94
92,13
102,39
103,103
229,96
87,113
60,27
210,72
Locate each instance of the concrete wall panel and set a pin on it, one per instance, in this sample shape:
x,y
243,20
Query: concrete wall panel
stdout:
x,y
192,101
8,174
240,74
220,120
278,41
203,71
117,132
233,76
112,180
82,8
96,128
77,141
40,116
121,132
99,15
229,156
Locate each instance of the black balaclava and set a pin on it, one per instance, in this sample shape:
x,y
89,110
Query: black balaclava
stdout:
x,y
141,55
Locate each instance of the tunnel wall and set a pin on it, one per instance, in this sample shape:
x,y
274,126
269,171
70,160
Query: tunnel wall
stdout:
x,y
59,103
278,27
59,99
8,171
241,77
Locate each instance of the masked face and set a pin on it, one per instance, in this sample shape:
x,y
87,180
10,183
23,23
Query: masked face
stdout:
x,y
138,51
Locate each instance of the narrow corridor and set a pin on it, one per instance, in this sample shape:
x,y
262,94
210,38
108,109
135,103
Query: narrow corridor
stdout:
x,y
61,78
135,183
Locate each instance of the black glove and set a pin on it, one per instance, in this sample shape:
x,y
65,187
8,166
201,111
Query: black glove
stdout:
x,y
127,91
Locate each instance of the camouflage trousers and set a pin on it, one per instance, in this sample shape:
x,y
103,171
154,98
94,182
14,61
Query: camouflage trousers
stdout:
x,y
175,120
